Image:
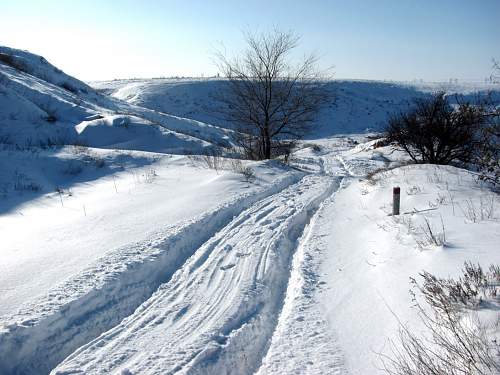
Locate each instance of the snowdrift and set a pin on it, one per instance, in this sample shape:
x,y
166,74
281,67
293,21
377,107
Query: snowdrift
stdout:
x,y
42,106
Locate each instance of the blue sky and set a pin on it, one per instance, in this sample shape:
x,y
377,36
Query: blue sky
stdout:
x,y
365,39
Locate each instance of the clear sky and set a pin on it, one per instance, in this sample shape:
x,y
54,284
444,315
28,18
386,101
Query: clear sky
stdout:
x,y
366,39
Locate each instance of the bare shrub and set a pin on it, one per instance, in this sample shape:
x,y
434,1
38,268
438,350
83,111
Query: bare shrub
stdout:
x,y
373,176
24,183
431,236
5,139
149,176
383,142
79,149
192,158
248,174
88,156
469,211
454,342
69,87
495,272
437,176
97,160
237,167
436,133
212,158
314,146
93,158
487,158
12,62
475,213
284,150
414,190
487,207
407,222
73,168
467,291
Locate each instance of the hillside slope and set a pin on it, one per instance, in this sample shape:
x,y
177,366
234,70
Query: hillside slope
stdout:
x,y
355,106
42,106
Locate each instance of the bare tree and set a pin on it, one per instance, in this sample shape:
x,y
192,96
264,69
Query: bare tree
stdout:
x,y
270,100
436,133
495,75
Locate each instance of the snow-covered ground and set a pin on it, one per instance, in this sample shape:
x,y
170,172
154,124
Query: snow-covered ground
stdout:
x,y
121,254
371,256
354,107
63,232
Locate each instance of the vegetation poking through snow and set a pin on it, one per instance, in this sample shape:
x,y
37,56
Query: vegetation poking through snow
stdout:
x,y
237,166
22,182
454,341
11,61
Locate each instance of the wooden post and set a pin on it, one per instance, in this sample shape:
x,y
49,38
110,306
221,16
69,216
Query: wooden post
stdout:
x,y
396,199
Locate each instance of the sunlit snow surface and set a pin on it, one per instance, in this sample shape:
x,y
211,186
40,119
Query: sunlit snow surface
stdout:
x,y
120,254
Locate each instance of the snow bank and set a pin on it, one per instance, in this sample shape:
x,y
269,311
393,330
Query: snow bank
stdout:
x,y
223,302
37,66
46,330
133,133
371,255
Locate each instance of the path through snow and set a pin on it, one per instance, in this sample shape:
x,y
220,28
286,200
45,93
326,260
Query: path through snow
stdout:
x,y
218,312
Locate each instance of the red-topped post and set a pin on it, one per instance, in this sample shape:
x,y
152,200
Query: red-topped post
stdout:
x,y
396,199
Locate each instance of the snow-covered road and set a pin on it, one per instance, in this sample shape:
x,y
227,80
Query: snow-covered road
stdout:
x,y
219,310
212,295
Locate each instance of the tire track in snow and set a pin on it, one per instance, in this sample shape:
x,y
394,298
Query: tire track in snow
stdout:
x,y
218,312
301,343
47,330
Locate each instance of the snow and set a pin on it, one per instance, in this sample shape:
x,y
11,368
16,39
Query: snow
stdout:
x,y
126,250
41,106
366,275
220,301
121,254
355,106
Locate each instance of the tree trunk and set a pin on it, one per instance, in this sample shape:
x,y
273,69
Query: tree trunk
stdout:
x,y
267,144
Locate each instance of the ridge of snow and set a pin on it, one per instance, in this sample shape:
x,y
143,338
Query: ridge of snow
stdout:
x,y
51,327
223,300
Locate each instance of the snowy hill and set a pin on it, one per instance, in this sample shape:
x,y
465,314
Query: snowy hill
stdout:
x,y
42,106
43,110
356,106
